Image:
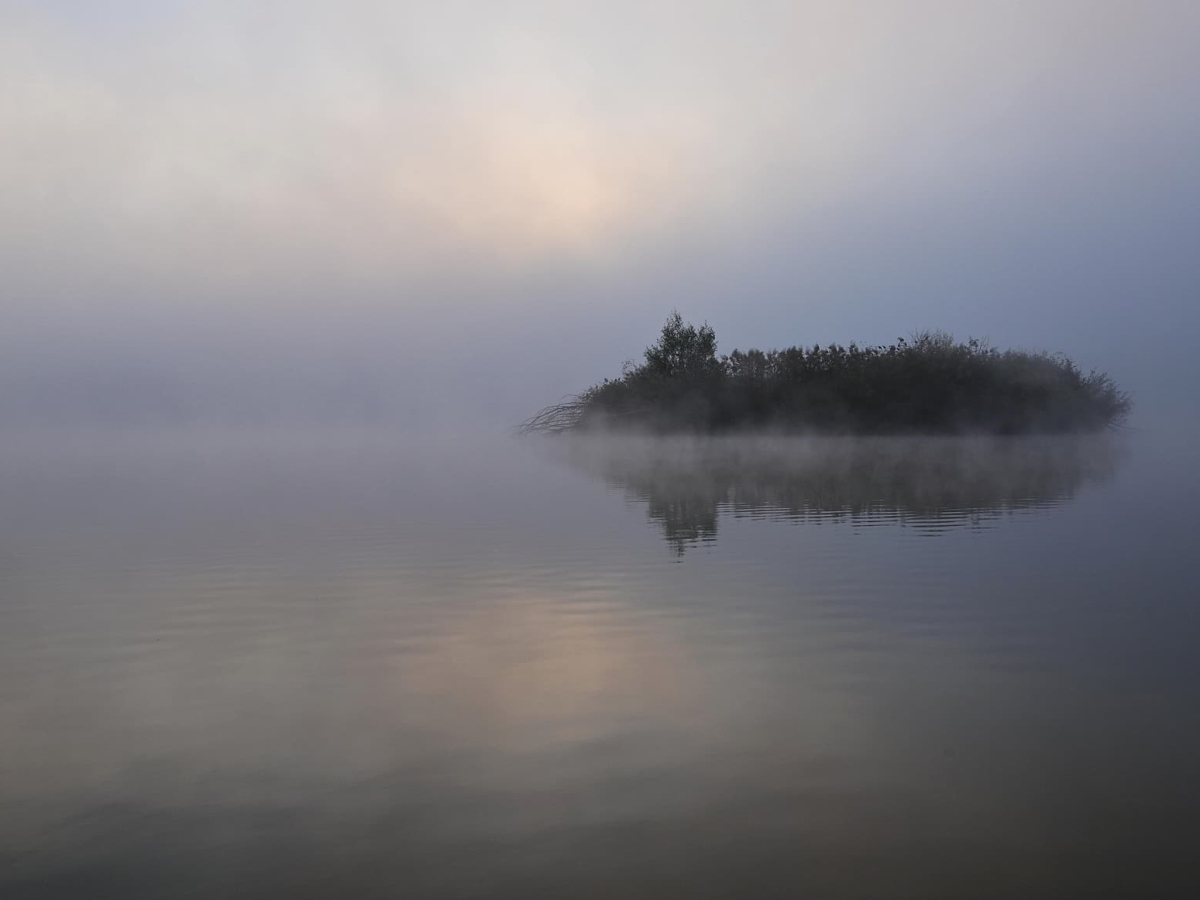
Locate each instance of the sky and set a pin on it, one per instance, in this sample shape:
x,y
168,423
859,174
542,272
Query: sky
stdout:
x,y
425,212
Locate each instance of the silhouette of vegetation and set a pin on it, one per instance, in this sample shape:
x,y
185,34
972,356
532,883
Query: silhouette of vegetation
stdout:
x,y
928,384
932,484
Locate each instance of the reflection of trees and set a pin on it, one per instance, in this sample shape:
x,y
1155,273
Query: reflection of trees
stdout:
x,y
932,483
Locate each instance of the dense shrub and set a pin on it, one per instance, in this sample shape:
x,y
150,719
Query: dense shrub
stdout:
x,y
930,383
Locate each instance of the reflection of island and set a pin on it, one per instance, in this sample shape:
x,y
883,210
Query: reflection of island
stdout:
x,y
930,483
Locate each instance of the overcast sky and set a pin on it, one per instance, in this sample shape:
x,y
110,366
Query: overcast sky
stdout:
x,y
422,210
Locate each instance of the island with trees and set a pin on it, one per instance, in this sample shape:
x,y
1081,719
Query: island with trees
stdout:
x,y
928,384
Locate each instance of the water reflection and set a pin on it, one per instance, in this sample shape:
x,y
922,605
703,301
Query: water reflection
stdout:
x,y
374,667
931,484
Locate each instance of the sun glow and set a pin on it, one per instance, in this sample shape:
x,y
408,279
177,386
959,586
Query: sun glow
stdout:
x,y
520,186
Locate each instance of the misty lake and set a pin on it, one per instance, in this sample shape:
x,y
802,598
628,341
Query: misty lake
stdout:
x,y
356,665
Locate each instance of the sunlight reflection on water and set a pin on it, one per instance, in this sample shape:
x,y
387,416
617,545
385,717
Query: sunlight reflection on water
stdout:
x,y
366,666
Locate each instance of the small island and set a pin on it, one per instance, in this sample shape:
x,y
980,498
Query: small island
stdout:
x,y
929,384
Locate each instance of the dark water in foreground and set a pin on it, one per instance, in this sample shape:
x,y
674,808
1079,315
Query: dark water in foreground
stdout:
x,y
368,667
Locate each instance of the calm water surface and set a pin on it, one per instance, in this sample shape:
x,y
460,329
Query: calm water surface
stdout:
x,y
364,666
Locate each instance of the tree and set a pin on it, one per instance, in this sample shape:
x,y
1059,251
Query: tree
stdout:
x,y
683,350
